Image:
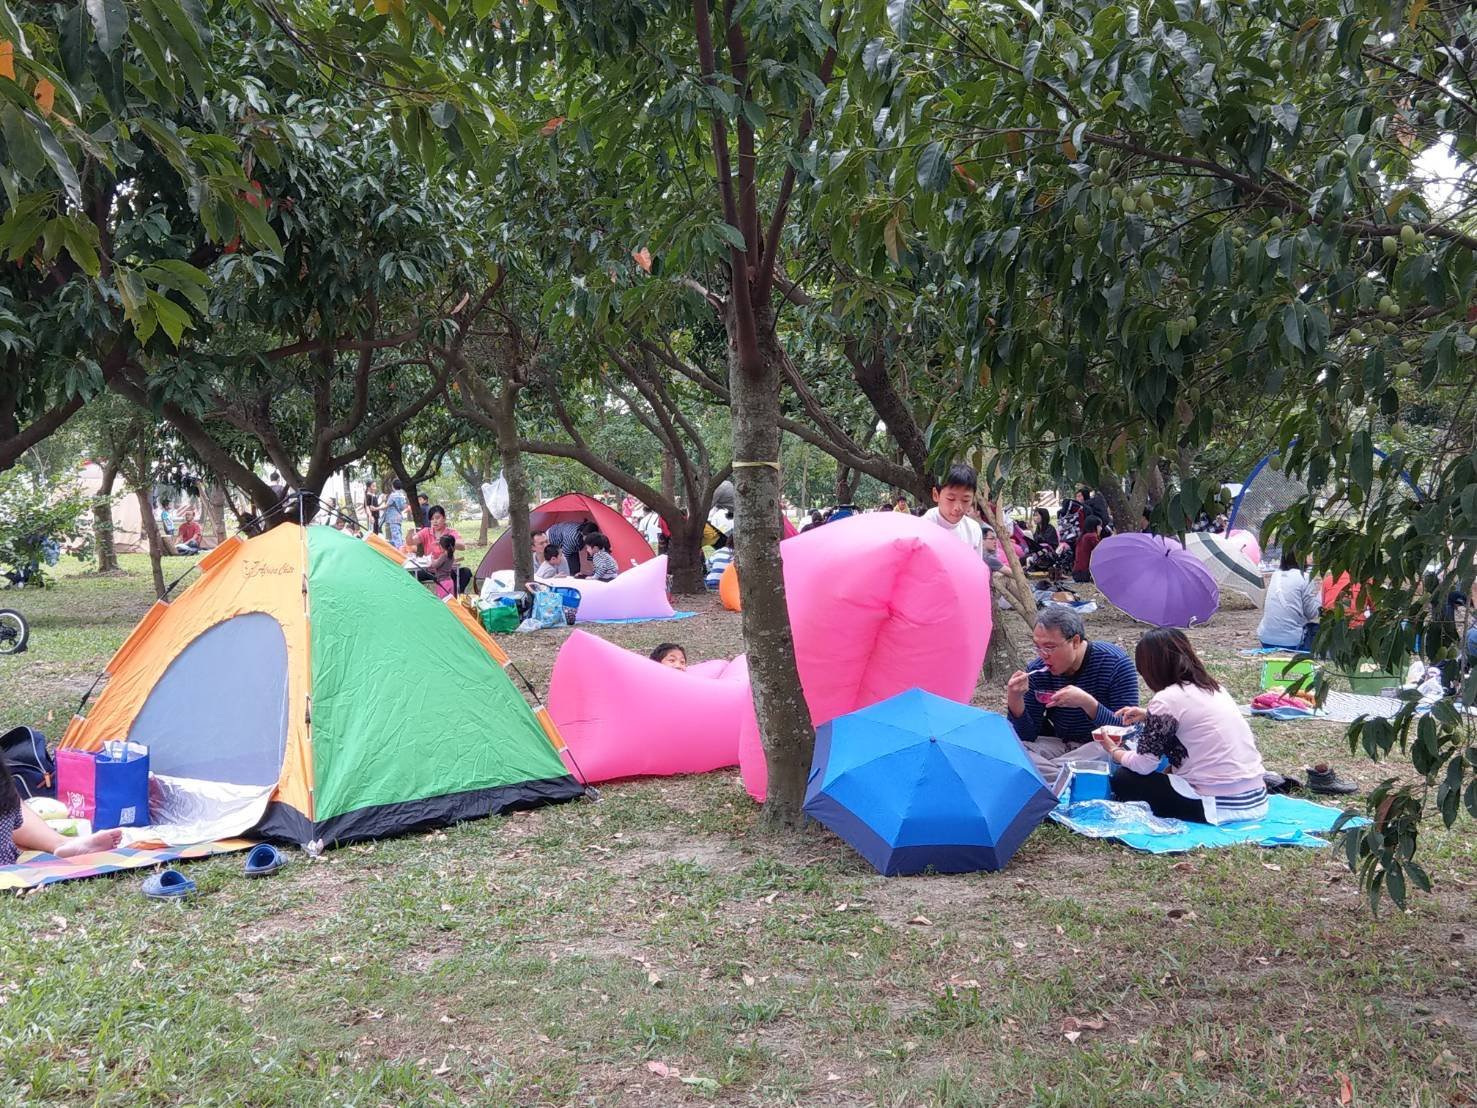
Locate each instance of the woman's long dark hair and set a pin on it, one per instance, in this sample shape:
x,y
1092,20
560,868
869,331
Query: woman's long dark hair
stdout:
x,y
1043,520
10,797
1164,657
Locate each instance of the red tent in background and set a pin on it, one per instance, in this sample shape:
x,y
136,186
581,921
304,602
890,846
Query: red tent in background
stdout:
x,y
626,544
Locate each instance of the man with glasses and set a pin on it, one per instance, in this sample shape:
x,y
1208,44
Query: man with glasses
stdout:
x,y
1071,688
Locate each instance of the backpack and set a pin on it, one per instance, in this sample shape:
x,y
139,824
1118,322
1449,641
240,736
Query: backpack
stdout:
x,y
29,762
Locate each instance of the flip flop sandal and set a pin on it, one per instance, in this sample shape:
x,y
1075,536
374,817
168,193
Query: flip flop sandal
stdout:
x,y
169,884
263,860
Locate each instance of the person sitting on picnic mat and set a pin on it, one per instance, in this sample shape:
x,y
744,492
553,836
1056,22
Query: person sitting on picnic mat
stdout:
x,y
1197,759
1293,607
1072,688
550,563
569,537
22,829
603,566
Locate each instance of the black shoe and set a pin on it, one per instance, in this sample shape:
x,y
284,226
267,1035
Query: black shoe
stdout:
x,y
1328,783
1278,784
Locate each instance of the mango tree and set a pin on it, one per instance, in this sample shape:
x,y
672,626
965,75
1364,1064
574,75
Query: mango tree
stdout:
x,y
1186,223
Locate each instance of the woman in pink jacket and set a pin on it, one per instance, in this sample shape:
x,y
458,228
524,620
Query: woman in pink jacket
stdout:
x,y
1196,758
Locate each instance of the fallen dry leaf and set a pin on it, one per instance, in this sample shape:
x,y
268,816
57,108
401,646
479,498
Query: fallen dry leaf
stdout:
x,y
661,1069
1185,914
1273,866
1346,1089
749,980
1078,1023
643,258
1184,867
1199,1056
1072,1036
653,978
921,921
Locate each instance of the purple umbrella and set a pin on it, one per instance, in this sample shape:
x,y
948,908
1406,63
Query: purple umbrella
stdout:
x,y
1155,580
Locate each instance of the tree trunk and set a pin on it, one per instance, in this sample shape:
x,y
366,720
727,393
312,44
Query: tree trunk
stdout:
x,y
846,478
685,563
1124,519
669,475
1003,657
1141,495
347,506
488,519
804,485
215,511
1012,581
505,419
151,536
779,700
102,521
892,408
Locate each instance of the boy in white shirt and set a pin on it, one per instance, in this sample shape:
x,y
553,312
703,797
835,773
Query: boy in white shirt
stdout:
x,y
953,496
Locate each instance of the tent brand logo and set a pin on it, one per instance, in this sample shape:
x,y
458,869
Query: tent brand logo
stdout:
x,y
252,569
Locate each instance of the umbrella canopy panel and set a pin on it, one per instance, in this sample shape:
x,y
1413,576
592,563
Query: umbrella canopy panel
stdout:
x,y
917,782
1229,564
1155,580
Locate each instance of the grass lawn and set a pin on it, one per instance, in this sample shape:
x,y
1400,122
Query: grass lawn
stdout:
x,y
656,948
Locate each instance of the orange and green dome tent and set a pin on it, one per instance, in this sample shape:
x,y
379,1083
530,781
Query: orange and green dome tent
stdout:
x,y
306,668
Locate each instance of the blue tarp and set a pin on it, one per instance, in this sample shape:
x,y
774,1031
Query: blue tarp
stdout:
x,y
1290,821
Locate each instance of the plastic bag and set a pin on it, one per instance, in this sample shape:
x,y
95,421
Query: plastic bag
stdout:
x,y
495,496
548,608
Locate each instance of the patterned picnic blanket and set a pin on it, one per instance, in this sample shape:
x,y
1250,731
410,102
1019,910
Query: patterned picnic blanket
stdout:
x,y
36,868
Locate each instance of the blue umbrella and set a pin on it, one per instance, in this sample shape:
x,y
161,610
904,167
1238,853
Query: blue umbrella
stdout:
x,y
918,782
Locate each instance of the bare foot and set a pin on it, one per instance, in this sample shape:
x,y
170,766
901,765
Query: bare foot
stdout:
x,y
97,841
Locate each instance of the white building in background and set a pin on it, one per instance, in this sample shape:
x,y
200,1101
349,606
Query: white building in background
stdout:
x,y
127,527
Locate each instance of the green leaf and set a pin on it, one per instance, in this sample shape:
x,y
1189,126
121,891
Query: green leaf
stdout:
x,y
82,249
1286,115
75,42
60,163
900,16
174,319
1395,883
109,23
255,227
731,235
1292,327
23,147
934,167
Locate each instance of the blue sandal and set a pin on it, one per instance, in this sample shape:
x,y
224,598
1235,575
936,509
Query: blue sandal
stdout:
x,y
263,860
169,884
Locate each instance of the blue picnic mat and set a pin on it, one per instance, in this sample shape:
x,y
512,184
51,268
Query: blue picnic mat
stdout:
x,y
1290,821
644,619
1263,651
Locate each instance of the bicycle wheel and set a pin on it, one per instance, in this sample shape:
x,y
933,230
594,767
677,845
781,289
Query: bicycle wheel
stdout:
x,y
14,632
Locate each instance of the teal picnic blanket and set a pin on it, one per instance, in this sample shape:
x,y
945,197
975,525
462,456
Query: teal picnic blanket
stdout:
x,y
1290,821
644,619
